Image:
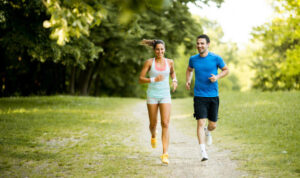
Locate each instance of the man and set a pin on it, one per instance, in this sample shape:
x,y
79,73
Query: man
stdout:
x,y
206,95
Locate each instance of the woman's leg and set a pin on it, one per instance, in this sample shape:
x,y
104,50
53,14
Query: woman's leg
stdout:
x,y
165,110
152,112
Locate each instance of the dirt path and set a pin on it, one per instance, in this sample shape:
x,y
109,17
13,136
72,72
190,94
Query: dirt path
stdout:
x,y
184,153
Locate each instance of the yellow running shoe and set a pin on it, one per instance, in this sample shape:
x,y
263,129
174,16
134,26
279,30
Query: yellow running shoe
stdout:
x,y
164,158
153,142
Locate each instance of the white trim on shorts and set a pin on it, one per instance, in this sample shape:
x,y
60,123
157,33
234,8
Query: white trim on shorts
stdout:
x,y
151,100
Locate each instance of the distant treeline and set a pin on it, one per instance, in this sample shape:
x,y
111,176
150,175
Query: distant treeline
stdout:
x,y
84,47
92,47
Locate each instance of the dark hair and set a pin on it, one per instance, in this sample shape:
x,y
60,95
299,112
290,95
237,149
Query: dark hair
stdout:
x,y
152,43
204,36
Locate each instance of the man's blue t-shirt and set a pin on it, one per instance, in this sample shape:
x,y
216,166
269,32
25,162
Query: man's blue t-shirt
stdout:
x,y
204,67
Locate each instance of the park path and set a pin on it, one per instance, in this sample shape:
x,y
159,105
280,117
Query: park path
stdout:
x,y
184,153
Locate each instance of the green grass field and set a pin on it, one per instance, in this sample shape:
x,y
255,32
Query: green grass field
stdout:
x,y
69,136
261,129
92,137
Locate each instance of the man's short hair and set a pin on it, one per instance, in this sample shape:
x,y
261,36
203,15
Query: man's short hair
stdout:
x,y
204,36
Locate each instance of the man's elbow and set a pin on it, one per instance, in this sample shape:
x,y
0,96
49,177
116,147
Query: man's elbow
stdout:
x,y
227,71
188,70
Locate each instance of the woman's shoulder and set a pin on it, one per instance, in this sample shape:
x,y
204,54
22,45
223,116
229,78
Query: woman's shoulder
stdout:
x,y
149,61
170,61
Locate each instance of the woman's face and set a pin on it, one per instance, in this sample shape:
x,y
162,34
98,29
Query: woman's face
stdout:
x,y
159,50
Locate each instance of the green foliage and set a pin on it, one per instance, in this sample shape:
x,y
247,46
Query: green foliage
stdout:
x,y
230,83
75,18
277,62
96,55
30,57
181,63
127,57
72,18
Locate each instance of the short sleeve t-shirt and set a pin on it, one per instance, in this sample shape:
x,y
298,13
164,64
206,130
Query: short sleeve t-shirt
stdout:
x,y
204,67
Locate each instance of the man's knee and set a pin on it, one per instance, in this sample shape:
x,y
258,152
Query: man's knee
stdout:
x,y
201,122
212,126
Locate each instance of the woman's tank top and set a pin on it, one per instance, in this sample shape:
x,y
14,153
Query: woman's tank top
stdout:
x,y
159,89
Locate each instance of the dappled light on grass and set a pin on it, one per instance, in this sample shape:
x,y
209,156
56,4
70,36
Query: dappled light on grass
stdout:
x,y
68,136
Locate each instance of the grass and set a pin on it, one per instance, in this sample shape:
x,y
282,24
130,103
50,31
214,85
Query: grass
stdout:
x,y
69,136
95,137
261,129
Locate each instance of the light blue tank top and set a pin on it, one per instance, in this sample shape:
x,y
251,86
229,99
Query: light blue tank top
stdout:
x,y
159,89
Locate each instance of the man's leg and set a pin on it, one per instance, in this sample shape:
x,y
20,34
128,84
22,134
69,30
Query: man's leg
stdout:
x,y
200,130
201,137
210,127
212,118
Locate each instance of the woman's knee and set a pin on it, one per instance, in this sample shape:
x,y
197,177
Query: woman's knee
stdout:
x,y
152,125
165,124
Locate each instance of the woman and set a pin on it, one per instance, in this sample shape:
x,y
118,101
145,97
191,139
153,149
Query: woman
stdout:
x,y
158,93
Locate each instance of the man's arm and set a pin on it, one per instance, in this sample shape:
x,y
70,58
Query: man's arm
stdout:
x,y
189,76
214,78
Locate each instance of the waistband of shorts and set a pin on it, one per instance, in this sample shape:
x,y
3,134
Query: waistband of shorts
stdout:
x,y
206,97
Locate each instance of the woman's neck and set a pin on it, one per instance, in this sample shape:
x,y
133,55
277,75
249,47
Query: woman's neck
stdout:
x,y
159,59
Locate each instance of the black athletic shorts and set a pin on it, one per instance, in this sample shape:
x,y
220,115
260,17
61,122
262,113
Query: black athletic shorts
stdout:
x,y
206,107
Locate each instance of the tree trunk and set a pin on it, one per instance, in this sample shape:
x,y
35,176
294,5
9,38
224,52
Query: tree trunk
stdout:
x,y
87,73
72,80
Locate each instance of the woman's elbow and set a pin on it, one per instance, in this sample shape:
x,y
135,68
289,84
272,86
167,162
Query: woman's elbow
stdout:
x,y
140,80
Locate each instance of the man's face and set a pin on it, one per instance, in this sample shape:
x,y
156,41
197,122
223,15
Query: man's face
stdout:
x,y
202,45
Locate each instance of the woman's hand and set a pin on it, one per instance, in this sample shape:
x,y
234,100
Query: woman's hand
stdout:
x,y
159,78
174,85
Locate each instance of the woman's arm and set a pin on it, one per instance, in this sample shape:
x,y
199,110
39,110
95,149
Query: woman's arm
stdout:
x,y
173,74
145,69
172,69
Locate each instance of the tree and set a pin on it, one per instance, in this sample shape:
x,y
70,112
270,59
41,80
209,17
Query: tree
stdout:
x,y
277,63
29,42
92,39
128,56
74,18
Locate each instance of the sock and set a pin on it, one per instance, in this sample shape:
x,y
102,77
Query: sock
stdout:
x,y
207,132
202,146
203,151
